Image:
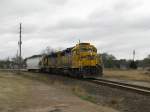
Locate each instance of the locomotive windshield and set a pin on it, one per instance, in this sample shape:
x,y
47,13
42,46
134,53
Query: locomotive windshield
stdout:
x,y
84,49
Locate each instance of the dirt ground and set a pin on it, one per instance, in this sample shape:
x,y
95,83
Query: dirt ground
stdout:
x,y
134,75
21,94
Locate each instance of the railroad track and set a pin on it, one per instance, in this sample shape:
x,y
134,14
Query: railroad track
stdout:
x,y
115,84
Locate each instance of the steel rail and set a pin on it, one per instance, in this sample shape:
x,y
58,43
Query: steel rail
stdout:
x,y
115,84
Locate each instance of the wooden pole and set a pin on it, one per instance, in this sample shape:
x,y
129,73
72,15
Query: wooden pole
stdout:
x,y
20,42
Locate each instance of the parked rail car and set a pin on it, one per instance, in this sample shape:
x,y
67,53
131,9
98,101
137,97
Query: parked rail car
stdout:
x,y
81,60
32,63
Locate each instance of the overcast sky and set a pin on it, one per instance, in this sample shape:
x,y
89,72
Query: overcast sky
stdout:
x,y
113,26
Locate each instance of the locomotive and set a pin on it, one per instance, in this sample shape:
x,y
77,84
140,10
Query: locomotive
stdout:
x,y
81,61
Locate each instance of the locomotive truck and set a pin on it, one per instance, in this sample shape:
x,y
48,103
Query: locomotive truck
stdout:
x,y
81,60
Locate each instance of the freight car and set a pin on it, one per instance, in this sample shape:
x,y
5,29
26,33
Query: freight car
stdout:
x,y
81,60
32,63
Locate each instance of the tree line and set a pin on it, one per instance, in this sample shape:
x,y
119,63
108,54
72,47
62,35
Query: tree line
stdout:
x,y
12,63
110,61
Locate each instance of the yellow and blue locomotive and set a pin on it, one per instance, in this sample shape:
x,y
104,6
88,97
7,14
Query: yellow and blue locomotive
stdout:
x,y
81,60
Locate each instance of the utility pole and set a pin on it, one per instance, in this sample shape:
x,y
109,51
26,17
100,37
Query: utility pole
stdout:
x,y
19,43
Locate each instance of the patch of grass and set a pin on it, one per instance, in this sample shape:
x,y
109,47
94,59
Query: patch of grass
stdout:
x,y
80,92
113,103
137,75
13,90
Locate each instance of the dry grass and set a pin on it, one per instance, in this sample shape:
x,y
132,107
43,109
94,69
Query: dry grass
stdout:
x,y
12,91
80,92
30,92
137,75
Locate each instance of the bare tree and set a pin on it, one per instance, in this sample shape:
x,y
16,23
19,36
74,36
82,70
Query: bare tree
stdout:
x,y
47,50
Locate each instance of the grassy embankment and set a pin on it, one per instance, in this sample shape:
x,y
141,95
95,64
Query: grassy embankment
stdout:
x,y
137,75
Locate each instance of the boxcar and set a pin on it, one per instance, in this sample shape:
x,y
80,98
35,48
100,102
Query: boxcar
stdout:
x,y
32,63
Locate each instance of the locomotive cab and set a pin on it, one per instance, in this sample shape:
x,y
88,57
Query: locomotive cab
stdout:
x,y
86,60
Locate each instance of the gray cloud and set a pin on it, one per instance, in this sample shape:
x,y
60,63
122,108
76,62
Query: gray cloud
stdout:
x,y
113,26
57,2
